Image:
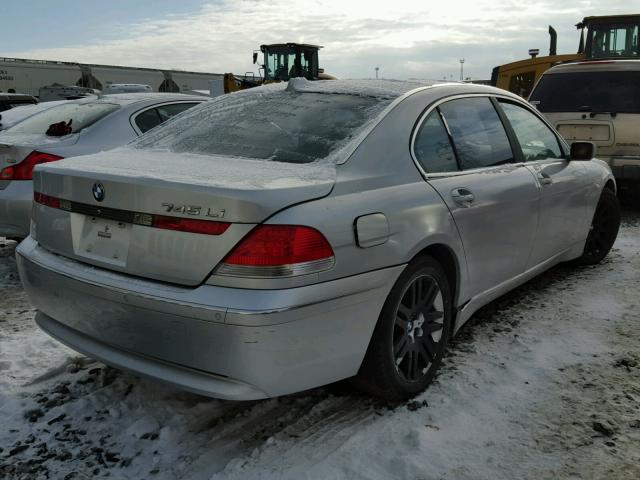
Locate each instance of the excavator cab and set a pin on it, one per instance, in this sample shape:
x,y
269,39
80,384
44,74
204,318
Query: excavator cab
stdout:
x,y
283,61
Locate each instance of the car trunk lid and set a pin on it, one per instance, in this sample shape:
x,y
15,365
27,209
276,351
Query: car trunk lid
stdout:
x,y
107,233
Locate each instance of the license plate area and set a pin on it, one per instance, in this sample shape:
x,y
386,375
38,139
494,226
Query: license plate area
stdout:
x,y
100,239
589,132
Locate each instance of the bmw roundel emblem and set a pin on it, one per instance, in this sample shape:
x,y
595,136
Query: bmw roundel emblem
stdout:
x,y
98,191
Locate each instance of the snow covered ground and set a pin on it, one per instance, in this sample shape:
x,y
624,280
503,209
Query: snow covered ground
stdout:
x,y
542,384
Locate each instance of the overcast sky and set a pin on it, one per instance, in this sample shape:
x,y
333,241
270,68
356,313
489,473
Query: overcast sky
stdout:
x,y
406,39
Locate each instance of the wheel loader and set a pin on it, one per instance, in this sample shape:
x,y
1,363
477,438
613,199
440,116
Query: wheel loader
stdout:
x,y
281,61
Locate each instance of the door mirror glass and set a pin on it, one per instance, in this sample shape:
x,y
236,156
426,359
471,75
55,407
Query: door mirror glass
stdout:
x,y
255,57
583,150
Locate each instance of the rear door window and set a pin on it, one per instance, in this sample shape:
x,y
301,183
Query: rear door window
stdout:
x,y
152,117
612,91
478,134
79,115
147,120
432,147
167,111
536,140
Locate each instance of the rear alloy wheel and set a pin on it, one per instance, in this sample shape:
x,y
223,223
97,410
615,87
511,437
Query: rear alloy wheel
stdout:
x,y
411,335
604,229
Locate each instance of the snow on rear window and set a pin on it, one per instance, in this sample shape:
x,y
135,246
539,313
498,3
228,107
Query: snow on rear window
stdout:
x,y
81,116
273,124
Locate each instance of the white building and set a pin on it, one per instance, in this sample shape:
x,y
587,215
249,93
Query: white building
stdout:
x,y
27,76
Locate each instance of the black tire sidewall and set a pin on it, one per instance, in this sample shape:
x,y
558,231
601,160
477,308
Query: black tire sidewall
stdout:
x,y
607,196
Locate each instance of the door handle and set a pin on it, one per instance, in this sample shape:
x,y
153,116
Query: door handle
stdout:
x,y
544,179
462,197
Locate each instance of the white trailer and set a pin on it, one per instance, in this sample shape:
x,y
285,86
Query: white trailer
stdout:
x,y
28,76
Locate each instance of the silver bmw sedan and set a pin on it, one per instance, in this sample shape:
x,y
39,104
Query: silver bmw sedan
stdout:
x,y
294,235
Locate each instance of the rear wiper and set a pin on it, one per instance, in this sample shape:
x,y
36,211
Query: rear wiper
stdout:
x,y
593,114
587,108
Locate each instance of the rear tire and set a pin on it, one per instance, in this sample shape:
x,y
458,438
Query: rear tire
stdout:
x,y
411,335
604,229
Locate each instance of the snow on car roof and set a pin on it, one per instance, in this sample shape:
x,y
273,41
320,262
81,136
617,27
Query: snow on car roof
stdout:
x,y
369,88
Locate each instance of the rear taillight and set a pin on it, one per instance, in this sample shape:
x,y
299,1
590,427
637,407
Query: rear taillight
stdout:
x,y
24,169
46,200
279,251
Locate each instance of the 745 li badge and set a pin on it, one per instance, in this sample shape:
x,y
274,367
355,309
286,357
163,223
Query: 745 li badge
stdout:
x,y
193,210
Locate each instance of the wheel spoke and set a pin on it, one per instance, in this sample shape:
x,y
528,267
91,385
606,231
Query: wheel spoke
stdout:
x,y
431,327
412,366
422,351
403,314
433,316
400,349
414,294
414,361
430,296
430,347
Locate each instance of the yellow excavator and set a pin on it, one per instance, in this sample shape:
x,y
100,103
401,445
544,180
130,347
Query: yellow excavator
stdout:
x,y
281,61
611,36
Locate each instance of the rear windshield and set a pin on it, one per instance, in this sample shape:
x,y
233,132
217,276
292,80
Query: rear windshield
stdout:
x,y
81,116
283,126
588,92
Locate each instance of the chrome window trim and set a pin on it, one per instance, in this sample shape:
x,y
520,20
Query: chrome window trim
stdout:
x,y
470,171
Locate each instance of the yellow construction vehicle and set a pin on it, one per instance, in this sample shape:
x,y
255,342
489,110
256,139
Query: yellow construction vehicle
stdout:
x,y
612,36
281,61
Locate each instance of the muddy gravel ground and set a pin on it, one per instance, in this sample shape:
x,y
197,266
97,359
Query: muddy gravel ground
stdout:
x,y
543,383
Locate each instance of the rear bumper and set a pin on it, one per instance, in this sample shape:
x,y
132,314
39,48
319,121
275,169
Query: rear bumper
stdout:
x,y
223,342
15,208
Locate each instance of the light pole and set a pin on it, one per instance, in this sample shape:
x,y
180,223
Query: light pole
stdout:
x,y
461,69
377,68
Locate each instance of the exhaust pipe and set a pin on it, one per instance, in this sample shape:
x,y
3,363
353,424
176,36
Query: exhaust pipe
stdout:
x,y
553,41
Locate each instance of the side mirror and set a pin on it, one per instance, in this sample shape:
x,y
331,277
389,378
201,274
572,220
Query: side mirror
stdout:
x,y
255,57
582,151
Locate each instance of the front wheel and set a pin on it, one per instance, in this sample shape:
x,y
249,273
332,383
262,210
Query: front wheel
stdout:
x,y
411,335
604,229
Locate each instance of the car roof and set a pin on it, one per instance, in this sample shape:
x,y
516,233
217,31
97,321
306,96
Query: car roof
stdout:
x,y
369,88
596,66
383,89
